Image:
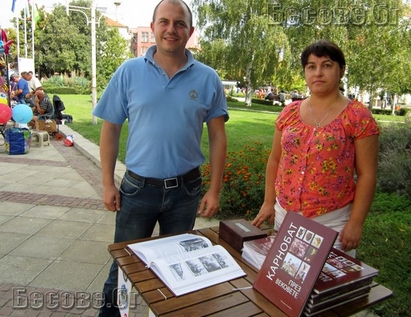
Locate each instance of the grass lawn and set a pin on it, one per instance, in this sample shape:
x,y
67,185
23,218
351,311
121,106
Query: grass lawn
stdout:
x,y
387,232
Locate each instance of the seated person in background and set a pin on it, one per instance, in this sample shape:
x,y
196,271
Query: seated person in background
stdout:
x,y
34,83
22,88
270,95
282,97
397,110
41,106
13,89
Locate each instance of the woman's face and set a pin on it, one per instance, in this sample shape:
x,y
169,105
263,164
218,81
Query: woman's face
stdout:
x,y
322,74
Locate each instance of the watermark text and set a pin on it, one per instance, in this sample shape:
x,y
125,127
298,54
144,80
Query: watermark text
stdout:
x,y
23,299
378,15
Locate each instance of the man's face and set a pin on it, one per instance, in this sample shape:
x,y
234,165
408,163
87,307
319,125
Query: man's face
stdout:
x,y
171,27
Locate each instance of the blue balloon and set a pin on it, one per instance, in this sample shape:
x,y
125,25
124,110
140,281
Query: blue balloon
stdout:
x,y
22,113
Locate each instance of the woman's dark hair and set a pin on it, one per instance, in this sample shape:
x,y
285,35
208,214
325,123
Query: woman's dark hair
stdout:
x,y
323,48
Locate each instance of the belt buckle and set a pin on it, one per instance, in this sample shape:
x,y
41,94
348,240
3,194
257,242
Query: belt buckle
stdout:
x,y
175,184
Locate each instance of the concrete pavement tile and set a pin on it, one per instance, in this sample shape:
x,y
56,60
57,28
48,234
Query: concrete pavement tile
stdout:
x,y
13,209
99,232
40,178
84,186
46,212
67,275
24,225
9,241
83,215
67,183
70,174
100,279
24,187
94,252
23,171
45,247
45,153
7,170
68,229
80,192
21,270
4,219
109,218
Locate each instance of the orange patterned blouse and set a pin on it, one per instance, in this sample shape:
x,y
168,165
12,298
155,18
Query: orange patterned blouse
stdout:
x,y
317,165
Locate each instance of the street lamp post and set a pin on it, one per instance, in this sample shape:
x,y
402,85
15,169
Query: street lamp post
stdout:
x,y
93,48
93,58
117,3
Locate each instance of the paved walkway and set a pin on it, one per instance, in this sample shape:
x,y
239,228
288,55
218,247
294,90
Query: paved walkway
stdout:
x,y
54,231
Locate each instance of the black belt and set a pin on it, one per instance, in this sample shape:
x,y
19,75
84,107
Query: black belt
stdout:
x,y
167,183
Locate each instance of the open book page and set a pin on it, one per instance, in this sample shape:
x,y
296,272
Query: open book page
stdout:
x,y
187,262
148,251
187,272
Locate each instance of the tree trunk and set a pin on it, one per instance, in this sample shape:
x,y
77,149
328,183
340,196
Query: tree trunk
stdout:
x,y
249,88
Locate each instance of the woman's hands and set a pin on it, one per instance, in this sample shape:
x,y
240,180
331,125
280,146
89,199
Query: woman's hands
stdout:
x,y
266,212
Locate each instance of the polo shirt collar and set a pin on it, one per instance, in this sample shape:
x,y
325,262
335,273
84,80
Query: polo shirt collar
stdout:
x,y
149,56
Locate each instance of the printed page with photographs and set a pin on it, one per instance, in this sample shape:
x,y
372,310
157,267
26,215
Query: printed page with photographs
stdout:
x,y
187,262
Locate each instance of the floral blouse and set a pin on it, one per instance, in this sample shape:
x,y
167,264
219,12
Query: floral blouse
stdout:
x,y
317,165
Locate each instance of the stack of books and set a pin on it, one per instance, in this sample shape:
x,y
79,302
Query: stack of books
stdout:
x,y
255,251
342,279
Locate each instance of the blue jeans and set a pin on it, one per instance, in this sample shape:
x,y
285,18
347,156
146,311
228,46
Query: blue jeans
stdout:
x,y
142,205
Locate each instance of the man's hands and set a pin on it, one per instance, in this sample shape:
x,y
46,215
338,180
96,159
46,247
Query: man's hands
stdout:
x,y
111,198
209,205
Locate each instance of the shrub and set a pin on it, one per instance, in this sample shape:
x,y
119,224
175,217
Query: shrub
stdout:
x,y
394,166
65,85
231,99
381,111
262,102
243,184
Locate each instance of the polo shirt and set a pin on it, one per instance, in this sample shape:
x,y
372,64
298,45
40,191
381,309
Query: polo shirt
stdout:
x,y
24,85
165,115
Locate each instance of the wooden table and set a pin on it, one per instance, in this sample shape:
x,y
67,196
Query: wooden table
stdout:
x,y
233,298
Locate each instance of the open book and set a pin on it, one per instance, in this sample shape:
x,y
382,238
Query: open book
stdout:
x,y
187,262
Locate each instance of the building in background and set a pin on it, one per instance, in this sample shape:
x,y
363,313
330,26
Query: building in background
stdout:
x,y
142,38
122,29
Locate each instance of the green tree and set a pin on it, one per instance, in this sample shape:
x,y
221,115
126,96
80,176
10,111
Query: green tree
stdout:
x,y
248,45
111,55
63,43
261,41
374,51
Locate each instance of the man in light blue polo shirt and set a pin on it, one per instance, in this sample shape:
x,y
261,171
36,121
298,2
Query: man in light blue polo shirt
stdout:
x,y
166,97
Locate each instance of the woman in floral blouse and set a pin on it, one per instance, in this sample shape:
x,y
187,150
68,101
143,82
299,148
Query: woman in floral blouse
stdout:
x,y
323,161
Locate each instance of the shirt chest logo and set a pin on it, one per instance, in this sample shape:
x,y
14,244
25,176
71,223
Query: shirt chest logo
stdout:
x,y
193,94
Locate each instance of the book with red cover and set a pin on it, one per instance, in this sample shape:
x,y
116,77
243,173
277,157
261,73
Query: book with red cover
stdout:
x,y
336,300
255,251
341,273
287,276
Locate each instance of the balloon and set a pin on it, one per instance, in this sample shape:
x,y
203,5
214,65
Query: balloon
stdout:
x,y
22,113
5,113
3,100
